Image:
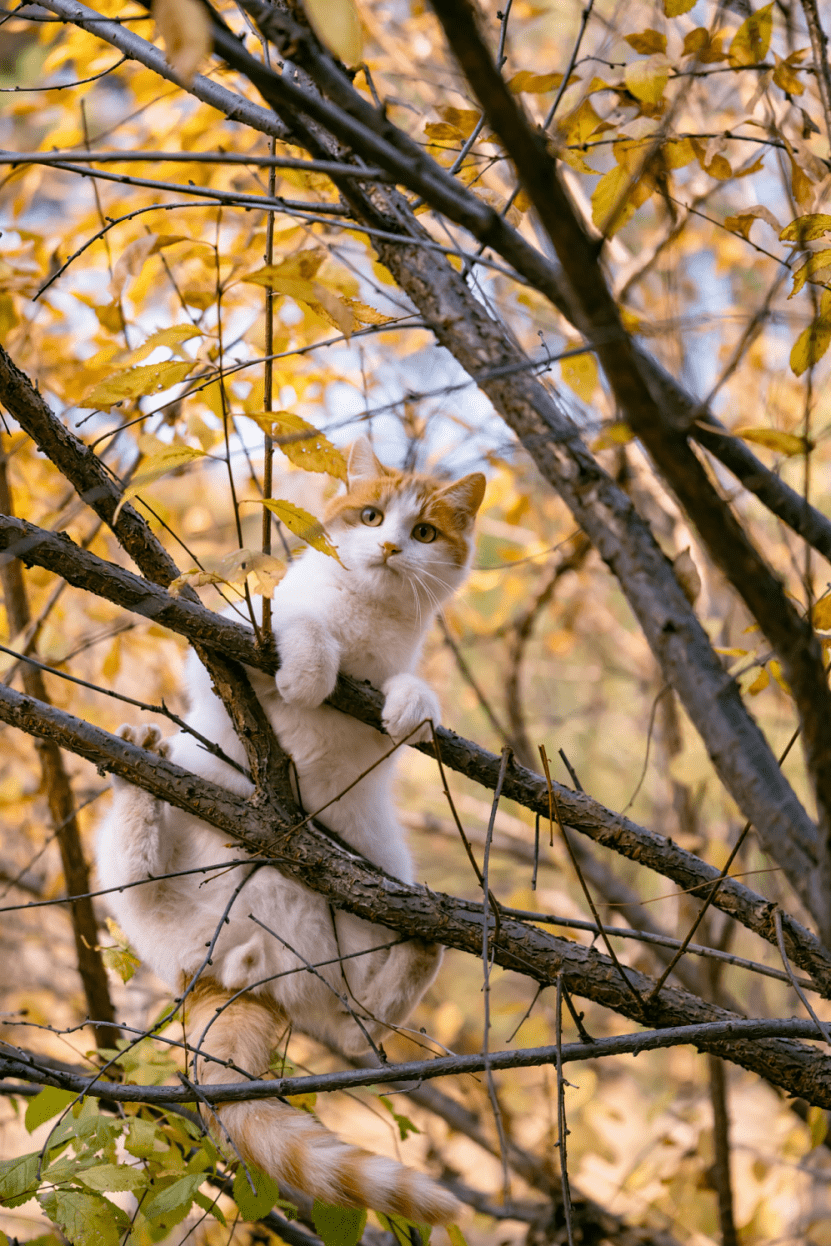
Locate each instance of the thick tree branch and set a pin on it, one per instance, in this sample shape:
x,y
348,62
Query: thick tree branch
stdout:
x,y
313,857
739,752
791,635
57,553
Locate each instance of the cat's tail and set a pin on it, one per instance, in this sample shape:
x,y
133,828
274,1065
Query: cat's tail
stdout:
x,y
292,1146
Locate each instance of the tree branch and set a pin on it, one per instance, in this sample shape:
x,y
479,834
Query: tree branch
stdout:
x,y
57,553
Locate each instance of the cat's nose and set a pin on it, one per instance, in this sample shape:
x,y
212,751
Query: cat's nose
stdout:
x,y
389,549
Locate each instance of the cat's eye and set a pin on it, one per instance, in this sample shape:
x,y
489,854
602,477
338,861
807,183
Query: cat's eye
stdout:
x,y
372,517
424,532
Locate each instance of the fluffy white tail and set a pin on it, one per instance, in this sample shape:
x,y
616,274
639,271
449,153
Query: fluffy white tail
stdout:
x,y
292,1146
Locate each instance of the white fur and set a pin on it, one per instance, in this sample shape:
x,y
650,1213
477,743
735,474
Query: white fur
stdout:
x,y
366,618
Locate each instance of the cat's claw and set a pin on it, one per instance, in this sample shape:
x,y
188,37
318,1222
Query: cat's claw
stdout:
x,y
408,702
147,736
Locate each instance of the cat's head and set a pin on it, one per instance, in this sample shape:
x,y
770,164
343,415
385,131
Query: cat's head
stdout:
x,y
406,535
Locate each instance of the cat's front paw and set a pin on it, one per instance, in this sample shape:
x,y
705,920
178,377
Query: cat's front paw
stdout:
x,y
309,660
408,702
145,735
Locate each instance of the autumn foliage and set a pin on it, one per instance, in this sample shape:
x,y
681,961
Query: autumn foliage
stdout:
x,y
586,250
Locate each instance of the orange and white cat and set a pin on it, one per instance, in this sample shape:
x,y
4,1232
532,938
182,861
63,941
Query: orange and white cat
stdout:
x,y
405,545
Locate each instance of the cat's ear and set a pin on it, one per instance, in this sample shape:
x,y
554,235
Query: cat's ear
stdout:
x,y
362,464
465,495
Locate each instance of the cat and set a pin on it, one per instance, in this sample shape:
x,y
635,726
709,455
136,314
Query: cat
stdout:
x,y
405,545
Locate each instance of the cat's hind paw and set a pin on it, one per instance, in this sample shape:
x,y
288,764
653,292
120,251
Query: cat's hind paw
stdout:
x,y
408,702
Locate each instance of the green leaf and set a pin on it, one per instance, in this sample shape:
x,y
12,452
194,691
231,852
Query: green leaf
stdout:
x,y
121,960
303,525
405,1125
457,1237
257,1202
301,442
672,8
112,1178
87,1219
338,1226
210,1205
47,1104
18,1179
145,1139
168,1202
752,40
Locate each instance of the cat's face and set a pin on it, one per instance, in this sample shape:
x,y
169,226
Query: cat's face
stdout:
x,y
404,535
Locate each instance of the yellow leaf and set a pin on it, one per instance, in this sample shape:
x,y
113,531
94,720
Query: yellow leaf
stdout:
x,y
185,27
776,672
773,439
647,41
616,198
712,161
617,434
817,262
821,615
172,338
751,41
465,120
302,265
743,223
442,132
137,383
807,228
331,307
647,80
678,153
366,314
785,74
818,1125
760,682
112,662
675,8
537,84
156,466
303,525
337,25
301,442
810,346
8,316
580,373
730,653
